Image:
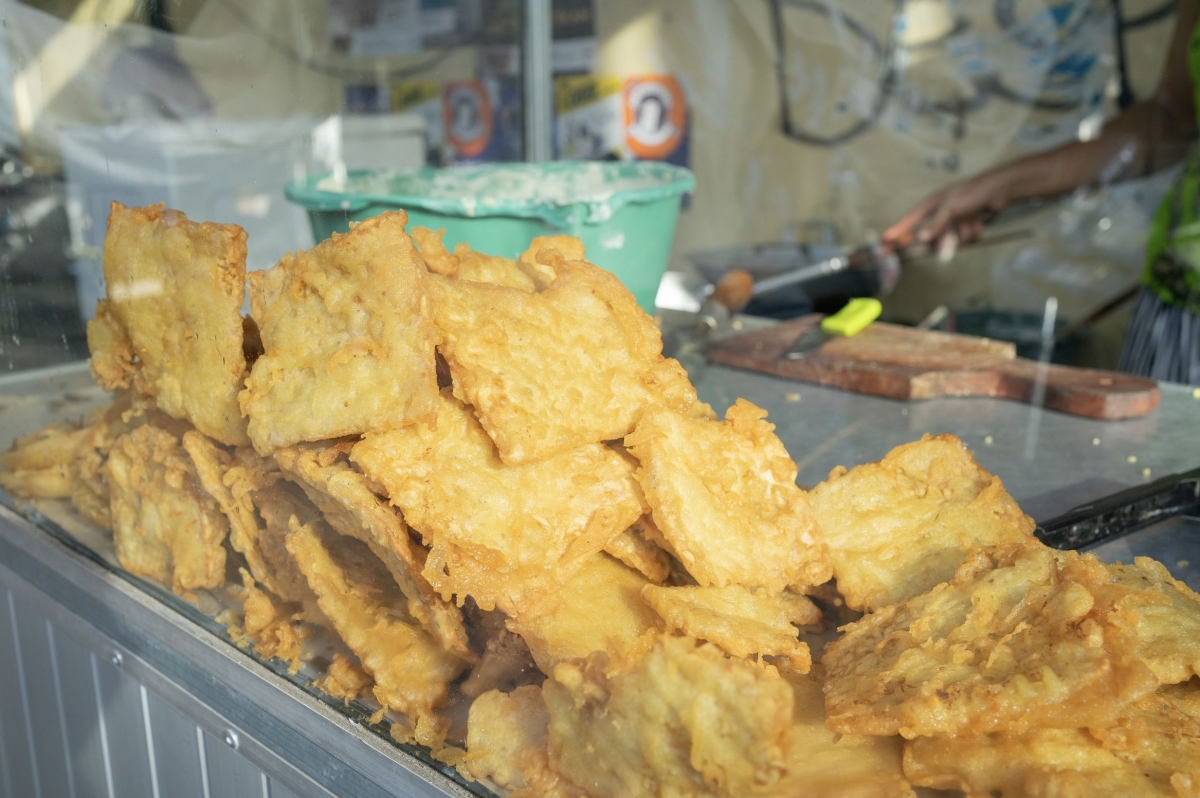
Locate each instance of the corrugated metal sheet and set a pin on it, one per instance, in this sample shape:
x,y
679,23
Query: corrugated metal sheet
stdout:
x,y
76,724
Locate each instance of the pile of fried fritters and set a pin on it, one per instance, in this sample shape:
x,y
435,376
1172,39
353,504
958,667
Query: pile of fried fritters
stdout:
x,y
482,476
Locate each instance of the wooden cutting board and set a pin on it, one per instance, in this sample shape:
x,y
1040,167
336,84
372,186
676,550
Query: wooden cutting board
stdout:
x,y
905,363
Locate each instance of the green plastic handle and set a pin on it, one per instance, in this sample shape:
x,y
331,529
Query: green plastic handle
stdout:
x,y
854,318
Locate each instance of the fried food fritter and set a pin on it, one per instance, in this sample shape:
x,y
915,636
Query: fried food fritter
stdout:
x,y
344,679
277,504
505,663
741,621
232,487
634,548
352,509
898,527
550,371
1168,617
1014,642
42,464
1152,750
599,609
724,494
687,721
501,729
504,535
411,671
347,336
824,764
271,625
113,361
437,258
165,526
175,291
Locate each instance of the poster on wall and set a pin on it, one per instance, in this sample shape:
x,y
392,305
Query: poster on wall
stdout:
x,y
644,117
655,119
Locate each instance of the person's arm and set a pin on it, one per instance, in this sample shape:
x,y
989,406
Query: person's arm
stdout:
x,y
1149,135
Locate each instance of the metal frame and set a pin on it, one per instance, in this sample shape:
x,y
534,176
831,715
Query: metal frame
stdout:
x,y
303,744
538,81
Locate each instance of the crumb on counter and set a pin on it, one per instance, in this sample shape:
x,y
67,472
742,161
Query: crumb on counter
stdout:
x,y
1196,393
989,440
1095,441
1132,458
792,397
1146,473
1182,564
904,411
738,324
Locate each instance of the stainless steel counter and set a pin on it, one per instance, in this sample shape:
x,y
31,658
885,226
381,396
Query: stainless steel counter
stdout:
x,y
116,688
1049,461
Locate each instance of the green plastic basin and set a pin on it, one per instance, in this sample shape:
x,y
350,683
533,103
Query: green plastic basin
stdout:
x,y
624,213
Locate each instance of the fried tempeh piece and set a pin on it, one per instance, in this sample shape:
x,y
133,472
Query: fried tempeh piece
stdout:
x,y
411,671
42,464
344,678
347,337
550,371
165,526
352,509
724,494
232,485
824,764
634,548
272,626
599,609
1152,750
686,721
741,621
437,258
1168,616
504,535
900,526
175,291
502,728
1015,641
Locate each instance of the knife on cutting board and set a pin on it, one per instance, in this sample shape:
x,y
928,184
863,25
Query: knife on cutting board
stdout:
x,y
904,363
847,322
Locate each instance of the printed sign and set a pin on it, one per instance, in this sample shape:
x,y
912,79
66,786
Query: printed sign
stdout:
x,y
588,121
467,117
655,116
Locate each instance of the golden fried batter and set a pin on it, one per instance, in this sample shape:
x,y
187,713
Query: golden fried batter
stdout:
x,y
501,728
824,764
347,336
433,252
635,549
175,291
411,671
724,494
344,679
42,464
502,534
272,626
113,362
1015,641
232,487
350,507
687,721
550,371
741,621
900,526
1167,612
599,609
1153,750
277,504
164,524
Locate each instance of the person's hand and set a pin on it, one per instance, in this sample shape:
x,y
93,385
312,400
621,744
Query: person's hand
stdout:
x,y
960,210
